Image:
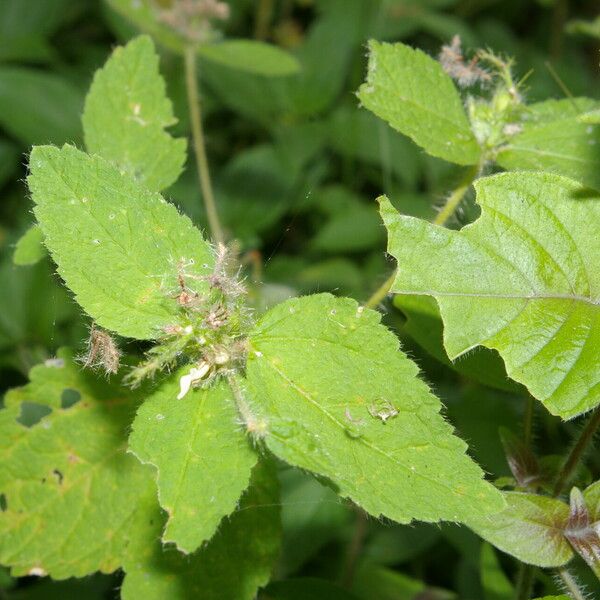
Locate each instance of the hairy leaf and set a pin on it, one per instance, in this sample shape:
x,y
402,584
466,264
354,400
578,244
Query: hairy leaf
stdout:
x,y
582,530
522,279
530,529
118,246
126,112
554,139
411,91
337,397
73,498
232,566
203,457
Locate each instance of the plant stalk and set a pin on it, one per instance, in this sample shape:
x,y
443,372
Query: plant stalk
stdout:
x,y
381,292
193,96
570,584
528,421
456,196
241,404
577,452
355,548
524,582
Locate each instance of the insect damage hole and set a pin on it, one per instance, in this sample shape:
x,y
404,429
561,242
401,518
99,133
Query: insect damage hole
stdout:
x,y
32,413
69,397
3,503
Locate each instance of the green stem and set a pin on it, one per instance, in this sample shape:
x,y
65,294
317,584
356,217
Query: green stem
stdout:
x,y
570,584
585,438
456,196
355,548
241,404
528,421
193,95
381,292
524,582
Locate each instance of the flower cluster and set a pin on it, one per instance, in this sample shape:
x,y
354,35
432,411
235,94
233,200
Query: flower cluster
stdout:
x,y
209,334
193,19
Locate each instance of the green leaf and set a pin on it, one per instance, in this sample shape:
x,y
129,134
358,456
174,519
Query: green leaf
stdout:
x,y
494,582
522,279
126,112
251,56
592,500
553,138
530,529
203,457
338,398
373,581
581,530
23,115
30,247
360,135
302,588
116,244
589,28
231,566
424,325
73,496
411,91
312,516
592,117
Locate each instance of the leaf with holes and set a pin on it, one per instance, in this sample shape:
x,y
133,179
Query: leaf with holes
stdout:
x,y
117,245
522,279
202,455
553,138
73,498
126,113
411,91
231,566
337,397
530,529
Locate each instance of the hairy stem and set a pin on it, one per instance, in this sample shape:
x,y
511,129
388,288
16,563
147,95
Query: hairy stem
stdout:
x,y
570,584
381,292
585,438
193,95
241,404
524,582
456,196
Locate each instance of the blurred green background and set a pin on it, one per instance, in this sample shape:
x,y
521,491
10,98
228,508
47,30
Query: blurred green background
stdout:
x,y
296,165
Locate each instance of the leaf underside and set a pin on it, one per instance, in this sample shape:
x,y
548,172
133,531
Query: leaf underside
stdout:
x,y
522,279
530,529
554,139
